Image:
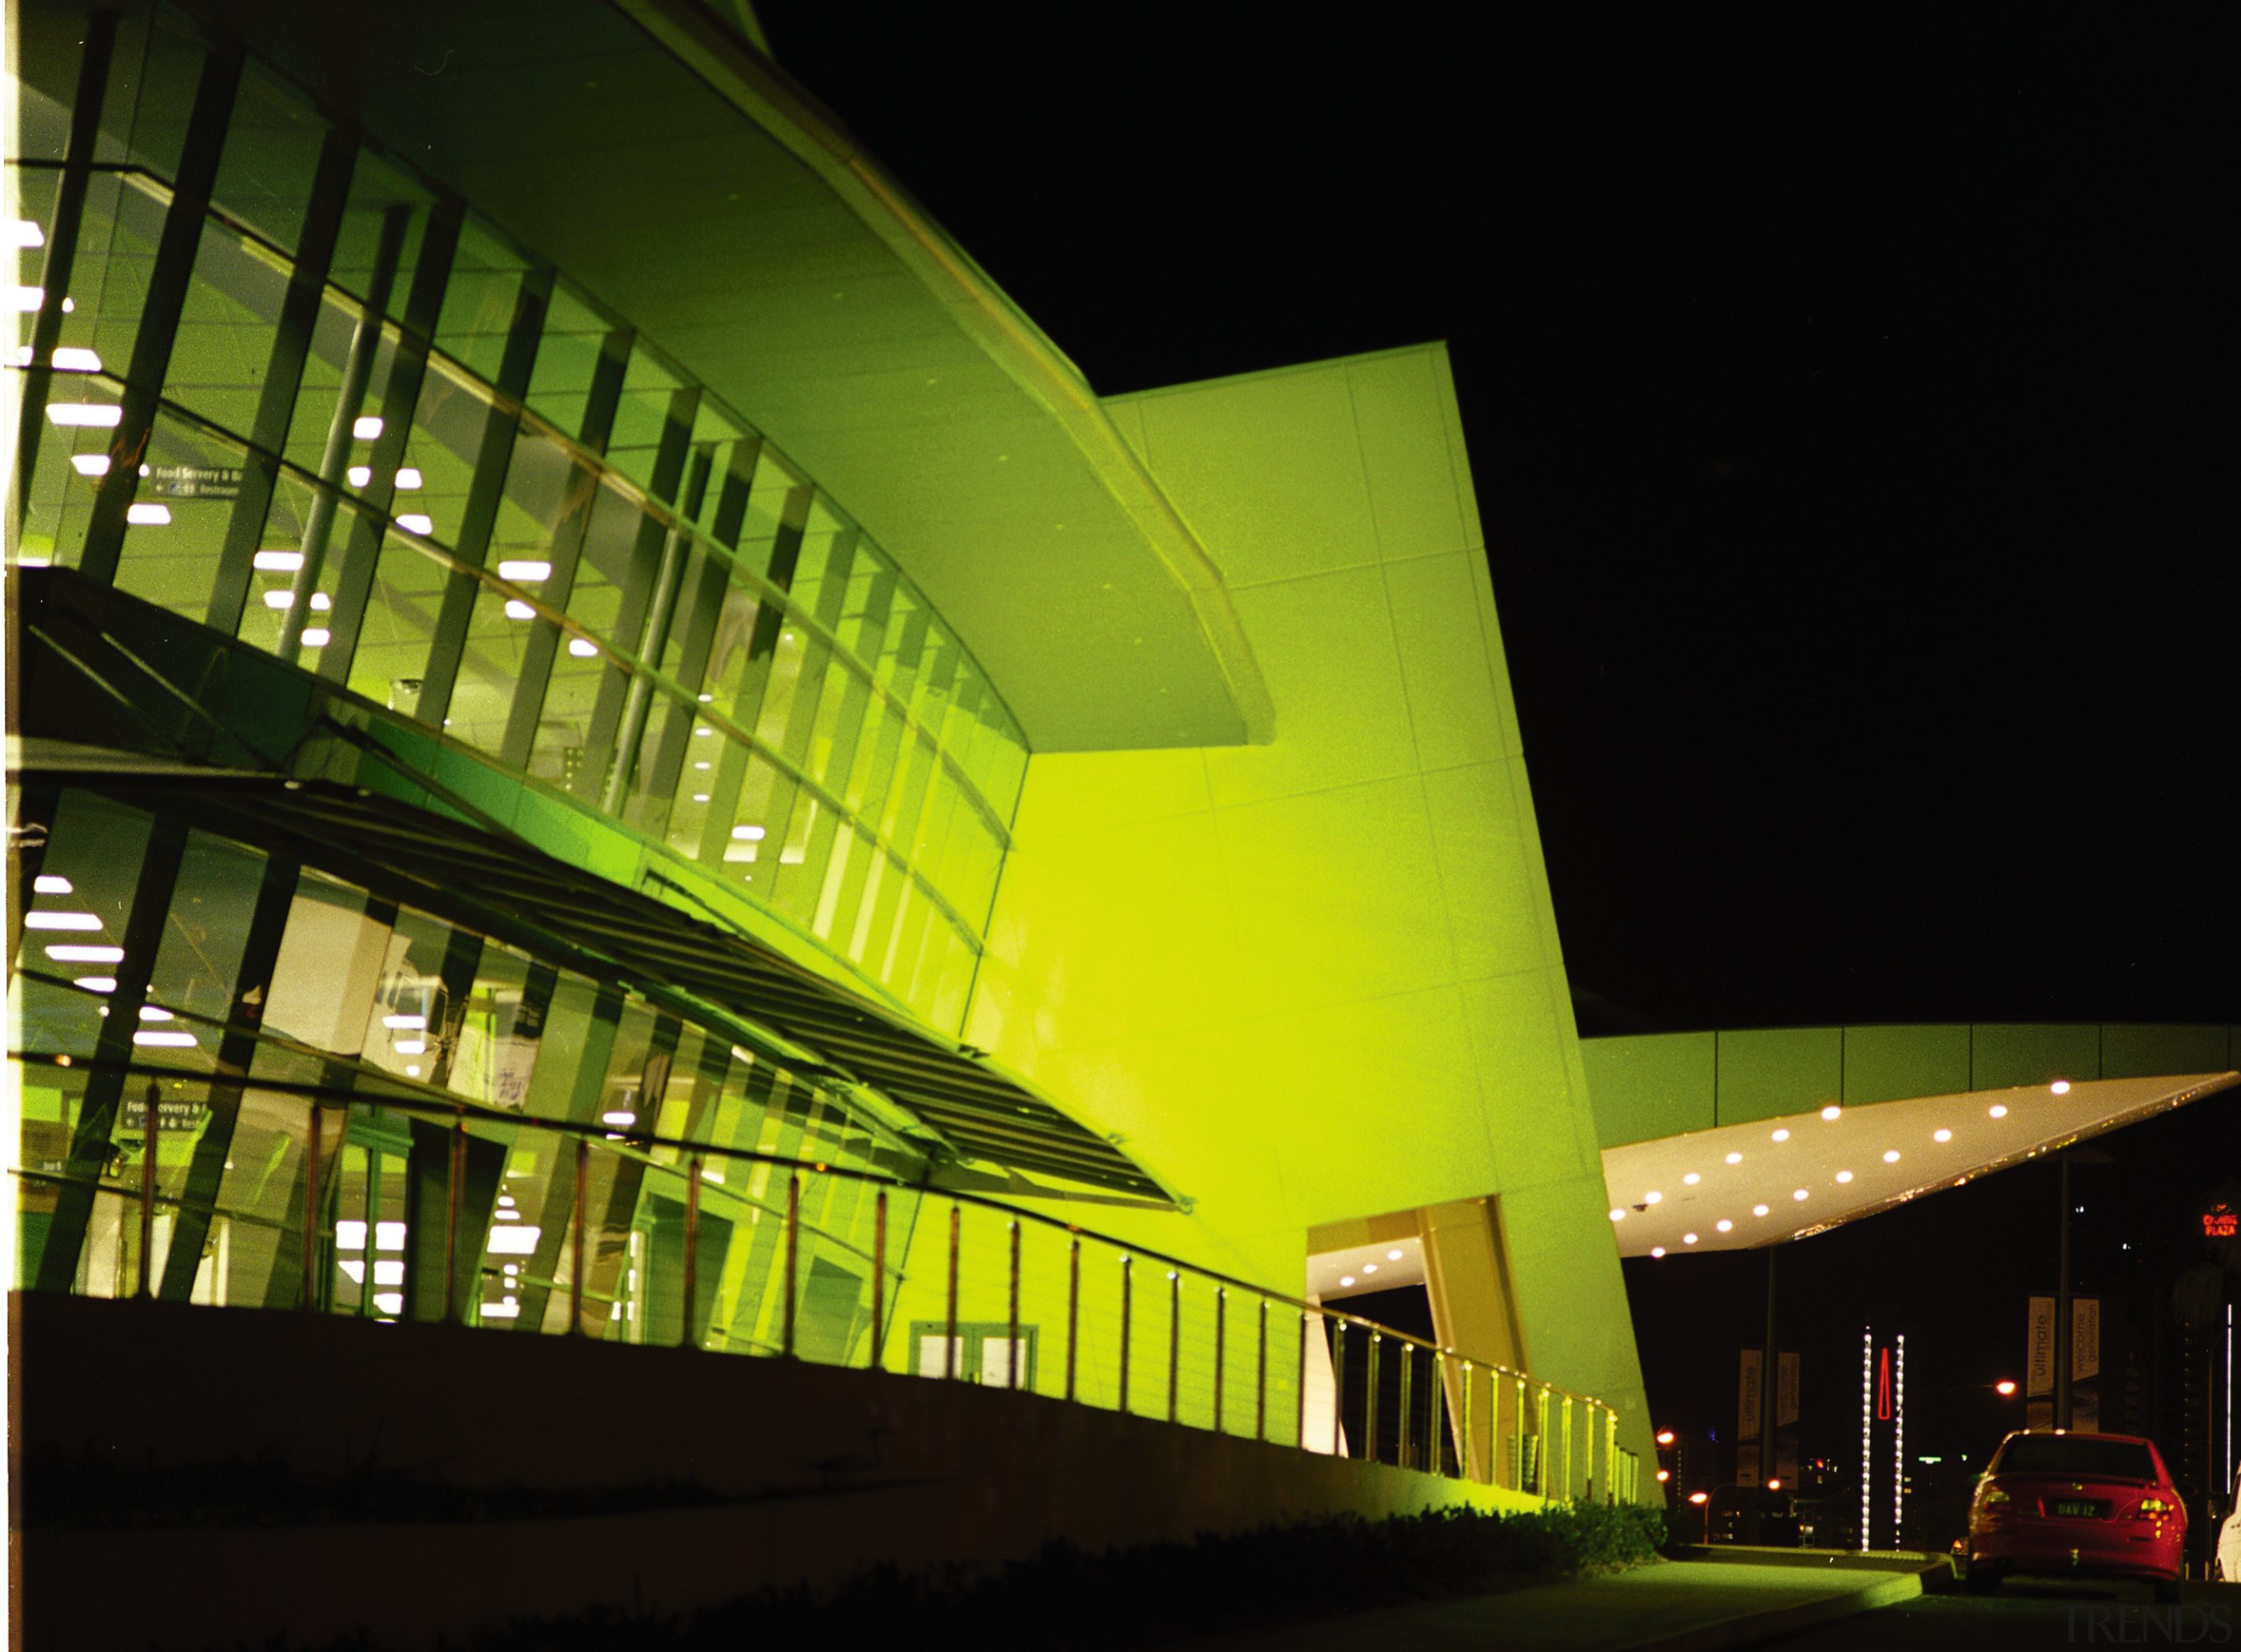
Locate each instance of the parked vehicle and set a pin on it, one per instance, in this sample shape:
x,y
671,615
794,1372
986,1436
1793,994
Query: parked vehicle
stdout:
x,y
2057,1504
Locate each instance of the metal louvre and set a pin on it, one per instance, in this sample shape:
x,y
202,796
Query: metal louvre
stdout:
x,y
518,894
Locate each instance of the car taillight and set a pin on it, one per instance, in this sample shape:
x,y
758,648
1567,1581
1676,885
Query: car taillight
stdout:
x,y
2153,1507
1994,1495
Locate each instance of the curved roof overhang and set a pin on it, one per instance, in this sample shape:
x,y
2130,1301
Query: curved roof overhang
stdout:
x,y
1863,1160
669,168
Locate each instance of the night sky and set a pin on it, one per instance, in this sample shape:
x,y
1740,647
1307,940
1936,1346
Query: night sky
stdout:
x,y
1849,408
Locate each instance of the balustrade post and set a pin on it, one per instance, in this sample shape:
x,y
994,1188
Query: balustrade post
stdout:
x,y
1016,1360
1260,1377
454,1181
1221,1328
879,1281
1174,1339
1405,1448
576,1240
685,1337
1126,1290
948,1339
148,1185
793,1261
1073,1308
1339,1388
1299,1433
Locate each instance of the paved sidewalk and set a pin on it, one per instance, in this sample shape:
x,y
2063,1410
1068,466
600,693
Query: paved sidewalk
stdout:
x,y
1675,1605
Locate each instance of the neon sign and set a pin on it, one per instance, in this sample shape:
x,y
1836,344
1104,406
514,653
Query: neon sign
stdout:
x,y
2220,1221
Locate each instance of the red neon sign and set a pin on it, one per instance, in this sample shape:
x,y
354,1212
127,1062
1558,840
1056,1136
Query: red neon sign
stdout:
x,y
2220,1221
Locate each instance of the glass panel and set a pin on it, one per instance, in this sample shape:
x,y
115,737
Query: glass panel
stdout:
x,y
376,190
155,68
176,527
640,417
226,330
398,630
265,173
478,300
559,388
490,668
277,562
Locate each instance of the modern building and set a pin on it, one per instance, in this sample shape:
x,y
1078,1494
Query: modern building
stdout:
x,y
612,742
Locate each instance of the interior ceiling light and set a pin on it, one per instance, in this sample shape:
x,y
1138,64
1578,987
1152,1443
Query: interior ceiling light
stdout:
x,y
1393,1256
1735,1158
1347,1279
1691,1180
519,610
1999,1109
407,479
154,1012
1724,1226
166,1040
1657,1250
1688,1238
1844,1175
1799,1194
360,474
413,521
755,835
317,636
278,562
582,647
1758,1210
1832,1111
368,427
1619,1213
147,515
90,464
69,360
27,234
96,983
1891,1157
2060,1087
51,884
72,953
85,415
1369,1266
1781,1135
1940,1136
60,920
526,573
27,300
1651,1197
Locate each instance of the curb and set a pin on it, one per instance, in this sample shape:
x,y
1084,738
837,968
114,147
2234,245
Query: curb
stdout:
x,y
1751,1627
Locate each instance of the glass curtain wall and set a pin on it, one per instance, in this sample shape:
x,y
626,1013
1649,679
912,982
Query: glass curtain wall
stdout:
x,y
164,967
283,387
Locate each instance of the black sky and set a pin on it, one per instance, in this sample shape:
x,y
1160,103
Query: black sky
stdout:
x,y
1849,408
1849,398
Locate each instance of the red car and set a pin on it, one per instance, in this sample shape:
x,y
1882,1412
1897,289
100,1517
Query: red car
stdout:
x,y
2055,1504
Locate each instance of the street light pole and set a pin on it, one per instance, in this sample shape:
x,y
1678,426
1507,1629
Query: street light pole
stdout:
x,y
2061,1308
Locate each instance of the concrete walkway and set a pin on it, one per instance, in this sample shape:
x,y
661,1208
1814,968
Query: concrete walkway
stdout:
x,y
1674,1605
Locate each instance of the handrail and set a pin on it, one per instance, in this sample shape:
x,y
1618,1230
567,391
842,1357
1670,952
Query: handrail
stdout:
x,y
640,1144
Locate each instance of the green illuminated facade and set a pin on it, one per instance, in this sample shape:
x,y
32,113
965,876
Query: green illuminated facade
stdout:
x,y
562,677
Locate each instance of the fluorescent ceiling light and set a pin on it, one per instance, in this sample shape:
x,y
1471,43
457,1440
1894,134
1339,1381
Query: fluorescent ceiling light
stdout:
x,y
60,920
415,1021
408,479
411,1047
368,427
413,522
72,953
581,648
154,1012
524,572
360,474
144,516
27,234
755,835
90,464
166,1040
519,610
51,884
317,636
71,359
96,983
278,561
27,300
85,415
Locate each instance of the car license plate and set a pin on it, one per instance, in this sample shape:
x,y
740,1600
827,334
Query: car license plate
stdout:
x,y
2072,1507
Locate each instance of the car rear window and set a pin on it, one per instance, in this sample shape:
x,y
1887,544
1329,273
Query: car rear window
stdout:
x,y
2067,1454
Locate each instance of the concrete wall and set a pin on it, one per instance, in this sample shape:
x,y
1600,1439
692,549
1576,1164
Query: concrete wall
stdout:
x,y
1668,1084
826,1473
1319,978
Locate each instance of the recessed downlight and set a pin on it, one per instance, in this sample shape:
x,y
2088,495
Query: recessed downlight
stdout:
x,y
1393,1256
1619,1212
1844,1175
2000,1110
1657,1250
1735,1158
1891,1157
1724,1226
1940,1136
1691,1180
1781,1135
1651,1197
2060,1087
1832,1111
1758,1210
1688,1238
1800,1193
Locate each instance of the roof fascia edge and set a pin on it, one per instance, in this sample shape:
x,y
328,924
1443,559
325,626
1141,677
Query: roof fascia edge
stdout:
x,y
766,96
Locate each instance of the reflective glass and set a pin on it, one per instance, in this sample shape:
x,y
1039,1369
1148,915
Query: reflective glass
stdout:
x,y
265,170
176,526
478,300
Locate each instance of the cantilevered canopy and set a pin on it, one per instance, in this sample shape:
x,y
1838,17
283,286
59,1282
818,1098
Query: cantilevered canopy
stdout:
x,y
506,888
1743,1186
657,158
